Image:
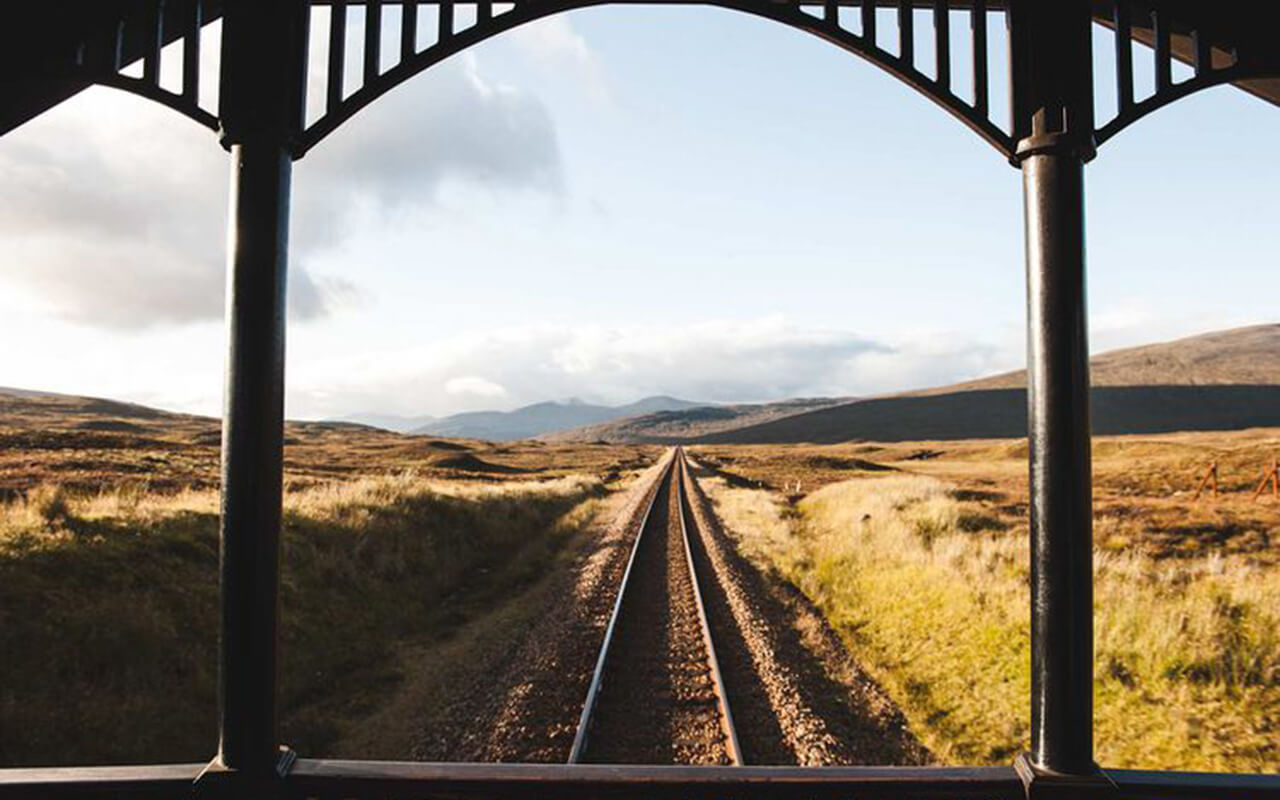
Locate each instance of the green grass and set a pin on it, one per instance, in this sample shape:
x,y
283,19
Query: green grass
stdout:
x,y
108,606
931,594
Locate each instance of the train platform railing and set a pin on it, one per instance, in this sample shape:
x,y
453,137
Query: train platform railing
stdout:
x,y
392,780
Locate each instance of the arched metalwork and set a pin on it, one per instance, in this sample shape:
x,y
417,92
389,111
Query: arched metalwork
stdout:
x,y
109,56
830,20
126,52
1169,39
849,24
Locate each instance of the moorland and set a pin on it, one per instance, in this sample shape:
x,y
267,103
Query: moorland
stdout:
x,y
406,554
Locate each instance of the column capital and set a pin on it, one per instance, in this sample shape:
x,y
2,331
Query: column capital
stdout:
x,y
262,83
1051,70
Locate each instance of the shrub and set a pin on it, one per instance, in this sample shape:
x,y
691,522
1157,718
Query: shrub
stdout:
x,y
51,503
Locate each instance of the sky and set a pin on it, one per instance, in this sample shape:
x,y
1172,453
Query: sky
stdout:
x,y
609,204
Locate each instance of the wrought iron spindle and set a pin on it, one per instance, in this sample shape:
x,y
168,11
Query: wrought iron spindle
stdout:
x,y
1163,58
337,55
153,32
446,21
978,17
191,24
1203,53
372,39
906,33
942,43
1124,57
408,30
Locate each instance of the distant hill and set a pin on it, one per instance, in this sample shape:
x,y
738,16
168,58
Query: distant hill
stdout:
x,y
690,423
543,418
1226,380
1002,414
1240,356
388,422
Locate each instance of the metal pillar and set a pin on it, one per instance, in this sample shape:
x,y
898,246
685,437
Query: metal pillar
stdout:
x,y
1060,471
261,113
252,453
1053,121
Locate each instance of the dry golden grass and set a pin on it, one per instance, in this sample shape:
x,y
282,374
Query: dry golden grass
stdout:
x,y
108,568
108,604
924,570
87,445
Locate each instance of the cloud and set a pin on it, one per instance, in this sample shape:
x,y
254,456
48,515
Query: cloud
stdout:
x,y
553,38
474,385
449,124
553,43
714,361
114,209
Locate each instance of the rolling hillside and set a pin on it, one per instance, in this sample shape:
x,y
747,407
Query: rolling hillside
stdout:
x,y
1240,356
1002,413
387,422
690,423
1224,380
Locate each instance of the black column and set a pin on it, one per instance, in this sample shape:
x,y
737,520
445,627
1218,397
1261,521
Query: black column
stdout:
x,y
1052,86
260,110
252,452
1060,470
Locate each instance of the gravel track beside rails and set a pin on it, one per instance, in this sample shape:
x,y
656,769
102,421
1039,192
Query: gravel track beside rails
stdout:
x,y
523,701
798,696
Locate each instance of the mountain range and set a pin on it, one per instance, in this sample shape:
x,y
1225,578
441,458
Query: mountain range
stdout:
x,y
542,418
1224,380
389,422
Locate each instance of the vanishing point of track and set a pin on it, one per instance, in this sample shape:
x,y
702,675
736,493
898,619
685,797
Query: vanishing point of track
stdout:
x,y
657,694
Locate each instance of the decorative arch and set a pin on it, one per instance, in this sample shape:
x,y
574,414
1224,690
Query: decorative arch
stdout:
x,y
822,19
1214,62
104,54
109,50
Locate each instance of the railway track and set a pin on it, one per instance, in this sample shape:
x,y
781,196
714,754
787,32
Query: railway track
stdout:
x,y
657,695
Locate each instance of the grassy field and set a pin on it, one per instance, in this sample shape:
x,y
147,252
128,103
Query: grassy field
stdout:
x,y
108,605
392,544
917,554
86,444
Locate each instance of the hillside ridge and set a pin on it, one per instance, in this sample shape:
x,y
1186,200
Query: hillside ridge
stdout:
x,y
1142,389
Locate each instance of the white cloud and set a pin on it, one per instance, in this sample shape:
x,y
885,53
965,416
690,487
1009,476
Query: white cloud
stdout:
x,y
714,361
553,44
114,209
554,38
474,385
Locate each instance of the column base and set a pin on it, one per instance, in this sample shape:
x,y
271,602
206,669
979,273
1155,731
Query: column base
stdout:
x,y
1043,784
218,781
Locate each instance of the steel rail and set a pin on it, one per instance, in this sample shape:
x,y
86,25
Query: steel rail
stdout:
x,y
597,677
678,476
